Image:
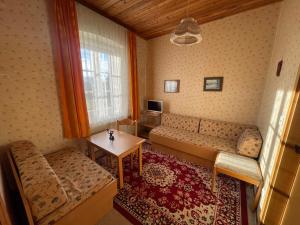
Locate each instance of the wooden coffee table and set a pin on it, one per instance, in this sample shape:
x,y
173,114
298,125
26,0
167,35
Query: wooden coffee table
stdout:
x,y
123,145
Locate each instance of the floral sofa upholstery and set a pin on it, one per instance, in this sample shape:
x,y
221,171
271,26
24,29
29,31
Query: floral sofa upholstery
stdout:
x,y
58,183
205,138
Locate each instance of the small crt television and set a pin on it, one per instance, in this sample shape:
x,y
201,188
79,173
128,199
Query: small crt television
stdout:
x,y
155,106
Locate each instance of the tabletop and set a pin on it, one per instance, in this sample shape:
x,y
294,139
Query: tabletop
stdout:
x,y
122,143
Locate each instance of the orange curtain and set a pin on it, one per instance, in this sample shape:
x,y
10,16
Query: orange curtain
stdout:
x,y
69,69
133,76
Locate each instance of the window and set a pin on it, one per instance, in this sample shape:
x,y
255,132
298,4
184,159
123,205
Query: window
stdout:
x,y
105,68
103,87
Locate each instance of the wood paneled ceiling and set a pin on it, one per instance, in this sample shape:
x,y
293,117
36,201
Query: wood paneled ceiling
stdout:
x,y
153,18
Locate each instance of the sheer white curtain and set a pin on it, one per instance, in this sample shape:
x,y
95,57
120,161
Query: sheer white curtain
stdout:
x,y
104,58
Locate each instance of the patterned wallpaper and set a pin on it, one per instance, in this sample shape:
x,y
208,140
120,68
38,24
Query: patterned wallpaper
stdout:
x,y
29,105
236,47
278,90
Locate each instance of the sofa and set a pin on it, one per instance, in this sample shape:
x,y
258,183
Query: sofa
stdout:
x,y
200,140
64,187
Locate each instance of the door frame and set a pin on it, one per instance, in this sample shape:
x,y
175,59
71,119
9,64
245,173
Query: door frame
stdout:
x,y
283,140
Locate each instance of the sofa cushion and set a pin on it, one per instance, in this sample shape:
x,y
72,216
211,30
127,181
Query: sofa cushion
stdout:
x,y
241,165
205,141
222,129
249,143
81,178
24,149
186,123
41,185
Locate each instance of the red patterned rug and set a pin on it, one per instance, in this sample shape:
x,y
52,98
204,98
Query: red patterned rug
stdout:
x,y
173,191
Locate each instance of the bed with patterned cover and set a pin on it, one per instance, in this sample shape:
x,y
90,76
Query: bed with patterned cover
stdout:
x,y
204,138
64,187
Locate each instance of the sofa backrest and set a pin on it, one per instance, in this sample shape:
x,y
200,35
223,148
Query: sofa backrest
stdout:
x,y
40,184
222,129
176,121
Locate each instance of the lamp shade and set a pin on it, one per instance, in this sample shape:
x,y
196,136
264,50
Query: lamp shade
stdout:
x,y
186,33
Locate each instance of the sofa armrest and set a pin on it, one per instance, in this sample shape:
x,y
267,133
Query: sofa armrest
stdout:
x,y
249,143
40,184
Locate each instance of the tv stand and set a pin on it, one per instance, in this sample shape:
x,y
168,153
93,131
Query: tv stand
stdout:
x,y
148,121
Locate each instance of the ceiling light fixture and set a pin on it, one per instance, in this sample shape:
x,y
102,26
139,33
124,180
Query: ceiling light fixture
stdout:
x,y
187,32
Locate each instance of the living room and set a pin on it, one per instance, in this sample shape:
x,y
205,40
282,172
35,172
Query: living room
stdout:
x,y
156,112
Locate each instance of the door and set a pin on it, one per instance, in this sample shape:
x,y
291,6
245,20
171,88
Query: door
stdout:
x,y
293,205
283,205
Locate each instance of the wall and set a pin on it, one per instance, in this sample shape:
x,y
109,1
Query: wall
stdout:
x,y
236,47
278,90
29,105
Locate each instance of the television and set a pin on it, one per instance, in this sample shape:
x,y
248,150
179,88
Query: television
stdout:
x,y
155,106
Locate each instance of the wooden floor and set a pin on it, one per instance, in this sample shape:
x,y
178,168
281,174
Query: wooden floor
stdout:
x,y
114,218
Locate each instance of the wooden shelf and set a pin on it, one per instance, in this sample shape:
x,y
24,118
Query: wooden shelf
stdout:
x,y
151,113
149,120
144,135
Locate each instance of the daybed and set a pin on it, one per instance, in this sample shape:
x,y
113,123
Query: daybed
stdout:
x,y
64,187
200,139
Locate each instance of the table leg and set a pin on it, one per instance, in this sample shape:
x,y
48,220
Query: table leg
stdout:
x,y
120,162
257,196
111,162
131,160
88,150
107,159
213,179
93,156
140,160
91,152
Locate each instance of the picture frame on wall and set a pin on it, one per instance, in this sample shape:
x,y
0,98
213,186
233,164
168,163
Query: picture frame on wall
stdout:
x,y
171,86
213,83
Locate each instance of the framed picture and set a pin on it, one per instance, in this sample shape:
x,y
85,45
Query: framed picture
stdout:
x,y
171,86
213,83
